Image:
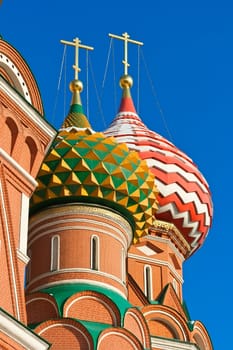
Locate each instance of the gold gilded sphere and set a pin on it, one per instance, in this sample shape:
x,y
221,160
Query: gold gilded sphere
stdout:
x,y
76,85
126,81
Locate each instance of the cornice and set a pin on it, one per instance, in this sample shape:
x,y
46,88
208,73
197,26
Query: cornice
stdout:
x,y
162,228
21,334
36,117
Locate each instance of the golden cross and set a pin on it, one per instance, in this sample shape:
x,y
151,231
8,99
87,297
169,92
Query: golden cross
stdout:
x,y
126,38
77,44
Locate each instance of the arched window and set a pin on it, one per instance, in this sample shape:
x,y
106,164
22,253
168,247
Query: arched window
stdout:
x,y
148,282
9,135
55,253
95,253
30,152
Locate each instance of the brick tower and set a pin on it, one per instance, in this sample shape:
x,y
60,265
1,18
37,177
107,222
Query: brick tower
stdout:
x,y
112,218
25,136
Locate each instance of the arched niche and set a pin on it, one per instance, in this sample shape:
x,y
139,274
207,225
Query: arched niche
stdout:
x,y
92,306
31,144
166,322
40,307
65,334
161,327
29,152
9,135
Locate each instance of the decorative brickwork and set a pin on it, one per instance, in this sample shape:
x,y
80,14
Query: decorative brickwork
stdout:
x,y
104,269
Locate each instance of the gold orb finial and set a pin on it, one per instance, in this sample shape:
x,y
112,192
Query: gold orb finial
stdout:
x,y
76,85
126,81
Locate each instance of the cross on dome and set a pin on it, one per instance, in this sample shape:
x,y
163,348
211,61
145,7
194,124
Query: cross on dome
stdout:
x,y
126,38
77,44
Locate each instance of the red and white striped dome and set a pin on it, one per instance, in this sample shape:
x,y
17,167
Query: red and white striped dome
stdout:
x,y
184,196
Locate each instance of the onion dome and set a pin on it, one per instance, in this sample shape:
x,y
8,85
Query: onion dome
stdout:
x,y
184,197
86,166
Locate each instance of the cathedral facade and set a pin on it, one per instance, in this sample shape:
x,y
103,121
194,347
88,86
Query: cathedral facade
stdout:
x,y
100,221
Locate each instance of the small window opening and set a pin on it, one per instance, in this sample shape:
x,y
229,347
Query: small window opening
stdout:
x,y
94,253
55,253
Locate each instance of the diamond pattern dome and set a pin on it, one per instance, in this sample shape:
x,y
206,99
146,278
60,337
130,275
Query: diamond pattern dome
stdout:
x,y
87,166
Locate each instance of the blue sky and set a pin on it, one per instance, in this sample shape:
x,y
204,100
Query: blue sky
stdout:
x,y
188,52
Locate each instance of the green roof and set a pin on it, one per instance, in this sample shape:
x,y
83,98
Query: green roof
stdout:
x,y
62,292
94,329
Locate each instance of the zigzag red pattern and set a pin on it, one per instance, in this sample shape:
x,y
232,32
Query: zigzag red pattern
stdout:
x,y
184,197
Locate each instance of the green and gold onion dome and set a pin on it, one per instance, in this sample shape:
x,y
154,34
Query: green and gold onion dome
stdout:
x,y
88,167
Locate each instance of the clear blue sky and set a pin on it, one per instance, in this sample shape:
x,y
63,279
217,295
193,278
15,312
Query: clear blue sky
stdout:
x,y
188,50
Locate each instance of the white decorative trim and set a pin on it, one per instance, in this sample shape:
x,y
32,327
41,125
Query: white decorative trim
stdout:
x,y
23,257
150,294
139,323
175,285
198,329
29,266
102,229
17,167
167,344
93,211
20,334
27,109
52,258
12,263
98,210
81,281
95,238
15,75
146,250
23,229
78,270
157,262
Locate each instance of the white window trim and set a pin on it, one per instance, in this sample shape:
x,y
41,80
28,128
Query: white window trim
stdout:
x,y
96,239
52,260
146,268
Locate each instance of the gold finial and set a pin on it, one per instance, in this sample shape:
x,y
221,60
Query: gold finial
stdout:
x,y
126,81
126,38
77,44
